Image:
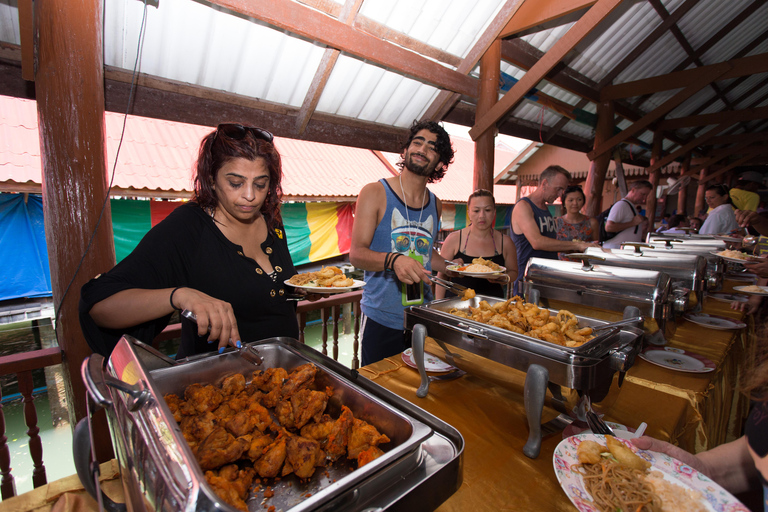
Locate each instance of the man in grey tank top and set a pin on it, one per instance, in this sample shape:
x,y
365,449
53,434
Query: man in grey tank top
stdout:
x,y
396,223
533,227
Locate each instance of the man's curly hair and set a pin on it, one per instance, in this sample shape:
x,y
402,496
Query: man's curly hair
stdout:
x,y
442,146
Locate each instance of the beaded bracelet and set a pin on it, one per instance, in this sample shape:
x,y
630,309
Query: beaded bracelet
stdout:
x,y
170,299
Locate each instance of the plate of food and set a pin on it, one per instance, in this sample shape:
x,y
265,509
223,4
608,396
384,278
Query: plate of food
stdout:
x,y
479,267
728,297
735,256
678,359
586,462
752,289
713,321
325,280
432,363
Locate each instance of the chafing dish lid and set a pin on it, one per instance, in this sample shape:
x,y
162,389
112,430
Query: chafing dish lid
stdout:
x,y
704,245
690,268
629,283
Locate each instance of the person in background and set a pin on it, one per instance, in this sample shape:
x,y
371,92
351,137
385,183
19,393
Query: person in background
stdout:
x,y
664,223
533,228
480,240
721,219
675,223
396,223
759,222
695,223
625,219
573,225
744,194
740,465
224,256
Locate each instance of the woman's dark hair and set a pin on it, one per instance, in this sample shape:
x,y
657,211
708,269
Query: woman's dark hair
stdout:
x,y
720,190
676,220
443,147
571,189
481,192
215,151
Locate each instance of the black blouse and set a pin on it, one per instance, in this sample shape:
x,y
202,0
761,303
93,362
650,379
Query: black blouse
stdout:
x,y
188,249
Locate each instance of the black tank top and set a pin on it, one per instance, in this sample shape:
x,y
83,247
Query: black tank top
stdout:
x,y
480,285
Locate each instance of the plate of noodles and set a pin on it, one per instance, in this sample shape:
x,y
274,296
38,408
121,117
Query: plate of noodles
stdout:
x,y
650,477
735,256
328,289
325,280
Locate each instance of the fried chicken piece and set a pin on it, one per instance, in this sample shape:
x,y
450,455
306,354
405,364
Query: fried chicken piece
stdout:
x,y
284,413
258,444
270,464
338,438
303,456
625,455
196,428
363,436
245,421
233,385
307,405
174,404
220,448
269,382
369,455
589,452
319,430
203,398
232,484
300,378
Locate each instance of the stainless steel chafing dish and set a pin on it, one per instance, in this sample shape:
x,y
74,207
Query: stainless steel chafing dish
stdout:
x,y
687,271
704,247
421,466
608,288
588,369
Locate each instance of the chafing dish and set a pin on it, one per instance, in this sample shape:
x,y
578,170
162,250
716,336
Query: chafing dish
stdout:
x,y
687,271
588,369
420,468
705,248
606,288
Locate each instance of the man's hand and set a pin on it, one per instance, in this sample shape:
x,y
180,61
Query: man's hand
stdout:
x,y
654,445
758,267
748,307
410,271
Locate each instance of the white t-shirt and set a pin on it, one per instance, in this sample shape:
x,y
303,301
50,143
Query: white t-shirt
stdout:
x,y
621,212
719,220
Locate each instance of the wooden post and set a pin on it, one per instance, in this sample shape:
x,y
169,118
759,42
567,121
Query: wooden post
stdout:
x,y
490,73
700,203
69,88
650,203
682,193
599,166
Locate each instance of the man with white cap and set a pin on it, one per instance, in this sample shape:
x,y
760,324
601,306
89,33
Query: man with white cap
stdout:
x,y
744,194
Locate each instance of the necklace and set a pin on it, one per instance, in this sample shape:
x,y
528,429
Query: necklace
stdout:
x,y
405,202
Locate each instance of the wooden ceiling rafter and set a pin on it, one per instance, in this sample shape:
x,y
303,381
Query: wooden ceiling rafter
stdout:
x,y
322,74
709,119
553,57
684,150
738,163
533,14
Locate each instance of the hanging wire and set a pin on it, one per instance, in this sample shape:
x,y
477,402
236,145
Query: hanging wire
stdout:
x,y
131,93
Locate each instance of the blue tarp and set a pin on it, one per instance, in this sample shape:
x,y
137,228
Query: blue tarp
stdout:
x,y
24,270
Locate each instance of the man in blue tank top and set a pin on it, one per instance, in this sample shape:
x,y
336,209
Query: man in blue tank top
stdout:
x,y
396,223
533,228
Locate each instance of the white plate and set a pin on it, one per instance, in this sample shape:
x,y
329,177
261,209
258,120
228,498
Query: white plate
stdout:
x,y
714,497
743,289
750,259
327,289
678,359
713,321
453,268
728,297
432,363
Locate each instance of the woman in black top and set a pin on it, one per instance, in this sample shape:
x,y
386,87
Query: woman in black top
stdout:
x,y
223,255
480,239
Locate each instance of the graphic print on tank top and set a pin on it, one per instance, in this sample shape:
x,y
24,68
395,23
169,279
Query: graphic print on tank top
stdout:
x,y
414,240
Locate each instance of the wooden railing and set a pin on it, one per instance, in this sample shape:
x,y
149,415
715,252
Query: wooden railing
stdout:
x,y
22,365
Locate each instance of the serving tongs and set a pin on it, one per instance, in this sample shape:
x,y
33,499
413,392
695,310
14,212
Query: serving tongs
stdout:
x,y
245,351
449,285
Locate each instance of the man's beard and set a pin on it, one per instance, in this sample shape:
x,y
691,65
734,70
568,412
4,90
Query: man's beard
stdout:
x,y
419,170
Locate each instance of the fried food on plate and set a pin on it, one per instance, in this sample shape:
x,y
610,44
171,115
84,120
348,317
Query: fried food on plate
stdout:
x,y
327,277
626,456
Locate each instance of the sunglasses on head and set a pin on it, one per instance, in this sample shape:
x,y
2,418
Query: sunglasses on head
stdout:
x,y
238,132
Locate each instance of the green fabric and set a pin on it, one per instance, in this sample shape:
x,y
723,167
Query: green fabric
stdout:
x,y
131,220
460,218
501,217
297,232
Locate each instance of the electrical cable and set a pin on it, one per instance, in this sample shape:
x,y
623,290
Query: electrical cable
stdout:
x,y
131,93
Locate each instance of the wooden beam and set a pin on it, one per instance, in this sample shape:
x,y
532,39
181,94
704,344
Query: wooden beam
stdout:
x,y
536,12
577,32
740,67
721,155
732,116
715,72
446,99
755,153
599,167
490,70
27,37
303,21
688,147
740,137
327,62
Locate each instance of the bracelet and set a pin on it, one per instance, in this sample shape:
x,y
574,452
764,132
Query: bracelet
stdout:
x,y
394,259
171,297
387,257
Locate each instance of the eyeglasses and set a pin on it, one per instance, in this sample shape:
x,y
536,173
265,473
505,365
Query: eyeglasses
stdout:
x,y
405,241
238,132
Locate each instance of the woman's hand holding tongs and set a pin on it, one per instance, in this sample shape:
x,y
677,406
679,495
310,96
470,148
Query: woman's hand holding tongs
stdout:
x,y
214,317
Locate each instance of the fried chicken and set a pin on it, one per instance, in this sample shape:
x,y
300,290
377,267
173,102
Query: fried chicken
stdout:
x,y
174,404
203,398
196,428
232,484
319,430
269,383
300,378
233,384
246,421
362,437
369,455
338,438
220,448
303,456
270,464
259,442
